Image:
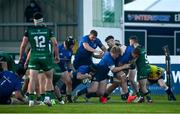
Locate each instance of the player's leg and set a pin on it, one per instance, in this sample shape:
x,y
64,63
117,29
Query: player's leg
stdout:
x,y
166,88
26,82
49,88
58,94
144,90
111,87
42,81
101,91
131,76
37,89
91,89
122,76
32,85
66,78
162,84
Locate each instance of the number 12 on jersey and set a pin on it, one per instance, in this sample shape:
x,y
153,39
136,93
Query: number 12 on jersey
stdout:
x,y
40,41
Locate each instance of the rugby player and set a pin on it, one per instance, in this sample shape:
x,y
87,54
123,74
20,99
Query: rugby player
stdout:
x,y
87,49
156,77
41,58
143,69
99,81
65,54
11,82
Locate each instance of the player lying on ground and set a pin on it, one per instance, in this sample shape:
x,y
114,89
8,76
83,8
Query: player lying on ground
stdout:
x,y
11,82
82,78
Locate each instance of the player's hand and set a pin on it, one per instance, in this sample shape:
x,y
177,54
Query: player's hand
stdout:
x,y
25,65
89,76
96,52
99,54
127,66
57,59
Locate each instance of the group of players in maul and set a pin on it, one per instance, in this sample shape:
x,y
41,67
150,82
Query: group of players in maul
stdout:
x,y
49,77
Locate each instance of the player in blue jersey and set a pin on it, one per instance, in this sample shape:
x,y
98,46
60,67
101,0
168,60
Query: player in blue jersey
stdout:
x,y
119,79
65,54
82,75
9,83
99,81
124,58
87,49
132,72
82,78
114,81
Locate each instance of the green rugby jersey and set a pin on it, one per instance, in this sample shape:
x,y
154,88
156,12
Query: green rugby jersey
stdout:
x,y
142,62
40,40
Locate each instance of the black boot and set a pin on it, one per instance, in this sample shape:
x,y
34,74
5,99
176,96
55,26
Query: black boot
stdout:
x,y
124,97
69,99
171,96
149,100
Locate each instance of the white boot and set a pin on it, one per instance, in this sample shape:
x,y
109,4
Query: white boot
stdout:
x,y
31,103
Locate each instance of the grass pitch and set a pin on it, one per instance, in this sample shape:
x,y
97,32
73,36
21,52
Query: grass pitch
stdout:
x,y
115,105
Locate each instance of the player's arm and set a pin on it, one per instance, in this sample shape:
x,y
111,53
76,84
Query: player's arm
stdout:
x,y
27,59
19,96
25,84
99,56
103,48
119,68
23,47
55,48
81,76
89,48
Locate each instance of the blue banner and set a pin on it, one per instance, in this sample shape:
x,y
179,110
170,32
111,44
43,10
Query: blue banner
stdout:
x,y
175,81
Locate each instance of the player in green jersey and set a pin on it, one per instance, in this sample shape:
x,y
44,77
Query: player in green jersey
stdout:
x,y
41,57
143,69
